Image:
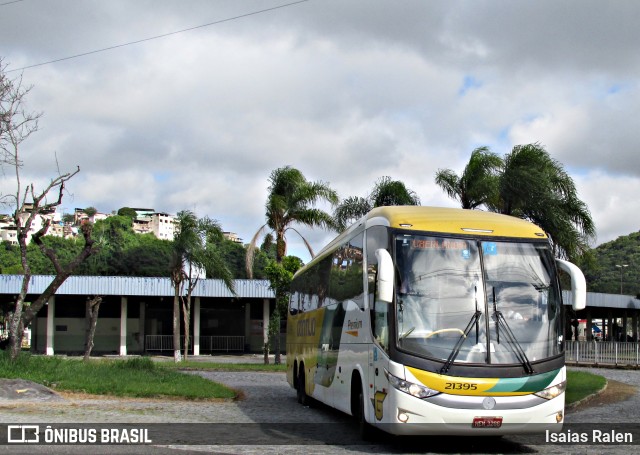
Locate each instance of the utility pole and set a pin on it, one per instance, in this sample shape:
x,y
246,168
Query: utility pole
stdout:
x,y
621,266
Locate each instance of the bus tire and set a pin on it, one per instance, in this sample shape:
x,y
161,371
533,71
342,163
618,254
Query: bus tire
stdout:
x,y
364,428
303,398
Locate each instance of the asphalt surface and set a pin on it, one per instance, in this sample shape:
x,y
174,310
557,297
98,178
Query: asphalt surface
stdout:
x,y
269,420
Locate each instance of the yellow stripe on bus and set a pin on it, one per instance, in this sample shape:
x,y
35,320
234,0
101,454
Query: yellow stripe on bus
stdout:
x,y
484,386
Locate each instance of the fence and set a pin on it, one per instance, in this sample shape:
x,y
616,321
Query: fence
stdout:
x,y
602,353
222,343
163,343
207,343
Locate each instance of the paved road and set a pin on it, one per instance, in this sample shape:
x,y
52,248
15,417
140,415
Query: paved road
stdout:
x,y
268,402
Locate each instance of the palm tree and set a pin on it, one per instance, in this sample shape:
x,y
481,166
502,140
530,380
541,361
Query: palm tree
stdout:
x,y
194,256
392,192
528,184
350,210
385,192
478,183
290,201
536,187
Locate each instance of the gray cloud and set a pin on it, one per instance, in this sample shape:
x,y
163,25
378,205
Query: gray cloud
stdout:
x,y
347,91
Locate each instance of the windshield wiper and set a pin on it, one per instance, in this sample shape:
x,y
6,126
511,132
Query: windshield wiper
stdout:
x,y
511,338
458,346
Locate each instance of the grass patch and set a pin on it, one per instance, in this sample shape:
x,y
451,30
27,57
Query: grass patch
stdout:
x,y
136,377
143,378
581,384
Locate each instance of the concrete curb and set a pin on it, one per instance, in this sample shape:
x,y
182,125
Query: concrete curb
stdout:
x,y
588,398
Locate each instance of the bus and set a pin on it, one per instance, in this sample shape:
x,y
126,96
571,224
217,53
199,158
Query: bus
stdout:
x,y
424,320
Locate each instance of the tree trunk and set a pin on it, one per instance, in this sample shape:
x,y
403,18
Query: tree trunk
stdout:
x,y
276,333
177,357
15,340
276,345
16,322
281,246
186,317
91,320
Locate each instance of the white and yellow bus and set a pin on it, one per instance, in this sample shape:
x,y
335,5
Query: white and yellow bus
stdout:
x,y
422,320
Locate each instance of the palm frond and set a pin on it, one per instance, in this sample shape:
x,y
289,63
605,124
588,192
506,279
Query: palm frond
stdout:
x,y
251,251
304,240
350,210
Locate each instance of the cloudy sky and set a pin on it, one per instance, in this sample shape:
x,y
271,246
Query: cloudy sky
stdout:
x,y
346,91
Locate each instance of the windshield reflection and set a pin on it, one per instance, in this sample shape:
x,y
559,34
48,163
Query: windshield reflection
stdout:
x,y
448,310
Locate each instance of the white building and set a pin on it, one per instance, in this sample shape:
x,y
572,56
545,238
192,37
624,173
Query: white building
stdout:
x,y
142,225
232,236
9,230
163,225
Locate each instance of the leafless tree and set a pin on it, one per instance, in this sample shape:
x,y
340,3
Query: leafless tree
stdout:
x,y
91,319
16,125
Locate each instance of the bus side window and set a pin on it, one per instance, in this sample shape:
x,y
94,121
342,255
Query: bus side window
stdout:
x,y
356,270
377,237
381,324
293,303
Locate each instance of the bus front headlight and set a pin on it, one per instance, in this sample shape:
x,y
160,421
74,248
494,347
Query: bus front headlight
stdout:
x,y
553,391
416,390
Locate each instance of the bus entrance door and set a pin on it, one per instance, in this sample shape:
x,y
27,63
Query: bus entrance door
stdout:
x,y
380,382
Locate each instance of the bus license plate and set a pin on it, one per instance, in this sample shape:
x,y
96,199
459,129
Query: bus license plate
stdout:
x,y
487,422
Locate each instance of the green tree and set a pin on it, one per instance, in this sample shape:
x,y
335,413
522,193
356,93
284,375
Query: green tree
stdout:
x,y
90,211
128,212
114,235
533,186
235,254
10,259
614,267
195,255
385,191
66,249
147,256
291,200
280,276
478,183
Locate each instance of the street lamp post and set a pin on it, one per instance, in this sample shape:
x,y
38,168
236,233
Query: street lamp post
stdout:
x,y
621,266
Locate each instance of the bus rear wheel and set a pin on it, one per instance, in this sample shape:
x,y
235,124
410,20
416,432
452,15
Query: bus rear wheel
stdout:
x,y
303,398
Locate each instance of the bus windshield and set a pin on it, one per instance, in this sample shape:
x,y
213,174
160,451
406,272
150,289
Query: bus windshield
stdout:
x,y
475,301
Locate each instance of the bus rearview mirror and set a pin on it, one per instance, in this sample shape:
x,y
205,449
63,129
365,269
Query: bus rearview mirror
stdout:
x,y
578,284
385,276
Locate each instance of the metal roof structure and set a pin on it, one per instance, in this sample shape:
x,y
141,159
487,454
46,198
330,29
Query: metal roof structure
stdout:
x,y
600,300
256,289
140,286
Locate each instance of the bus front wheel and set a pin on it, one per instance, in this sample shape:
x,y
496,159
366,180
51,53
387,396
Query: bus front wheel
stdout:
x,y
365,429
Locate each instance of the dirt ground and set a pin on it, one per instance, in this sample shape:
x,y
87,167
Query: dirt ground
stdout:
x,y
614,392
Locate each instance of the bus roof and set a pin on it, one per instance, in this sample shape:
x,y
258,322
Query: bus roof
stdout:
x,y
454,221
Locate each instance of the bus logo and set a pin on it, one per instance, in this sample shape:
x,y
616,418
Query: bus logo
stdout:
x,y
353,327
306,327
